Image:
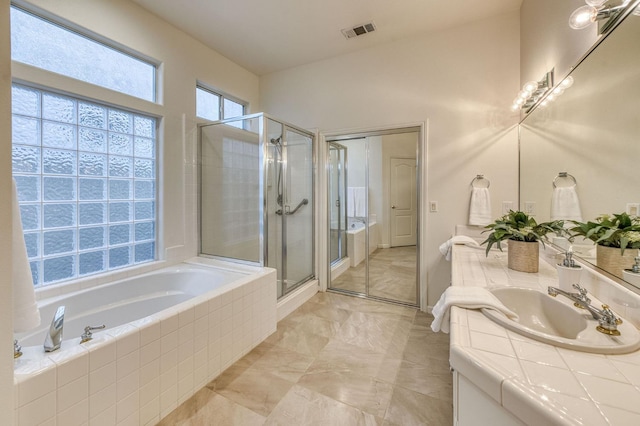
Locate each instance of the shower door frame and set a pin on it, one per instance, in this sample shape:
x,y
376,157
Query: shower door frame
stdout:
x,y
342,208
421,149
263,137
263,213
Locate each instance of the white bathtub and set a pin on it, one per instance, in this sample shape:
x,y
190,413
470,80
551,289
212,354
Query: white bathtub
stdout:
x,y
356,240
169,333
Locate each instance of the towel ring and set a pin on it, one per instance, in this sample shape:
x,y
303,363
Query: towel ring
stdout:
x,y
564,175
480,178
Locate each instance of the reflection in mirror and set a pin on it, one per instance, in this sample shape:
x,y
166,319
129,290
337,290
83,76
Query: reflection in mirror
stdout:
x,y
349,272
380,204
590,133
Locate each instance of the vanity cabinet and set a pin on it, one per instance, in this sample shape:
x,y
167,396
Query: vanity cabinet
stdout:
x,y
504,378
473,407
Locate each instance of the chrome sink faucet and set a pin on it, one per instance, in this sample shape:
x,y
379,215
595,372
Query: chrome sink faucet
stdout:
x,y
54,338
607,321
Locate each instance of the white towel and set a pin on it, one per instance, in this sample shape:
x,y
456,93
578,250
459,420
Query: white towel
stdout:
x,y
25,309
351,205
465,297
445,248
360,201
565,204
480,207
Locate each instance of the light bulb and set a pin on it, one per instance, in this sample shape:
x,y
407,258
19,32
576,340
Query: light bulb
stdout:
x,y
515,107
530,86
567,82
523,94
550,97
582,17
558,91
596,3
519,101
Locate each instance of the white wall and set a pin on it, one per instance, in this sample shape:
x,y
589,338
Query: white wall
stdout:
x,y
6,301
462,80
547,41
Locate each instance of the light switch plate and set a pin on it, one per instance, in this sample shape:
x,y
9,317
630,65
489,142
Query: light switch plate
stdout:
x,y
530,207
433,206
633,209
506,206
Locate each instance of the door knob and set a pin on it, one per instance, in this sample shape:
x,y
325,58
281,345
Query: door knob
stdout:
x,y
393,207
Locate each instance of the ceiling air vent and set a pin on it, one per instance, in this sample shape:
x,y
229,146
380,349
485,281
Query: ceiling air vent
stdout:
x,y
359,30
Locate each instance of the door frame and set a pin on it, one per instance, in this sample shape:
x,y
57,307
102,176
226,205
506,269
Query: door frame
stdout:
x,y
421,185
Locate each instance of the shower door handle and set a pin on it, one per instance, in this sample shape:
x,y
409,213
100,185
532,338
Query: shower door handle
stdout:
x,y
338,202
304,202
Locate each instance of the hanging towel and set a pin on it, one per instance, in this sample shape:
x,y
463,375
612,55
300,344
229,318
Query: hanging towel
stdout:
x,y
25,309
445,248
465,297
360,201
351,206
565,204
480,207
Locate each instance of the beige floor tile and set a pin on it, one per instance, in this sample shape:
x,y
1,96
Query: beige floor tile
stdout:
x,y
304,407
297,340
312,324
347,358
256,390
337,360
365,393
409,408
209,408
432,379
284,363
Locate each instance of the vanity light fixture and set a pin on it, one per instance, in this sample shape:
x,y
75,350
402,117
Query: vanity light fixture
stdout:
x,y
531,92
593,11
557,91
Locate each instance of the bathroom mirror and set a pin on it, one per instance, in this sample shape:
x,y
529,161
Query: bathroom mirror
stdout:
x,y
373,210
590,132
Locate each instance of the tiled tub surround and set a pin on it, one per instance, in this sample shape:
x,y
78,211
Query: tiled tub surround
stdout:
x,y
137,373
535,383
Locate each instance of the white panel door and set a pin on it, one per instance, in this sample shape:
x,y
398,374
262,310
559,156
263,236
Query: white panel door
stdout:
x,y
403,216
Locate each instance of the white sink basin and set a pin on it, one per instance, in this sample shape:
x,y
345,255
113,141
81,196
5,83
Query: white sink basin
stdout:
x,y
547,319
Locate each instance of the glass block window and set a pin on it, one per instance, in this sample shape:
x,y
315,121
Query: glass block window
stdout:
x,y
86,178
215,106
44,44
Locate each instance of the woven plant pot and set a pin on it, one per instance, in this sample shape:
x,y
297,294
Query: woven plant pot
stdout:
x,y
612,260
523,256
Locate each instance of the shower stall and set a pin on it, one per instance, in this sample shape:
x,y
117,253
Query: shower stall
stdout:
x,y
256,196
337,203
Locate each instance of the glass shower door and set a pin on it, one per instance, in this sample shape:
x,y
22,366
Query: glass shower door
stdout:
x,y
298,220
337,203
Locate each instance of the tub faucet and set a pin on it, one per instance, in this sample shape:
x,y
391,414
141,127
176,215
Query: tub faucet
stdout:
x,y
607,321
54,338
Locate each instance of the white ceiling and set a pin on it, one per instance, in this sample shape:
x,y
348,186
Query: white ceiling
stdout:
x,y
265,36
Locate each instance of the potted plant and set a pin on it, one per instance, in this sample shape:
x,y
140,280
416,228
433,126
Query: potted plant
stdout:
x,y
522,233
617,238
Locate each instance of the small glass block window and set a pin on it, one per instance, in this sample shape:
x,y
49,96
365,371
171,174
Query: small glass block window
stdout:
x,y
86,178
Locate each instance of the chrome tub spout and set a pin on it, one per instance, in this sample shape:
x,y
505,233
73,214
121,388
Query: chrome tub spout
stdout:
x,y
54,338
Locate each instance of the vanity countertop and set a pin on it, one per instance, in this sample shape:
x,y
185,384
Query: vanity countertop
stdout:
x,y
537,382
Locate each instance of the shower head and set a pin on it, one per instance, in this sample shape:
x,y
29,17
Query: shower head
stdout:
x,y
276,141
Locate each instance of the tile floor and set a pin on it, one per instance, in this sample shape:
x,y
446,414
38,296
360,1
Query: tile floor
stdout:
x,y
336,360
392,275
